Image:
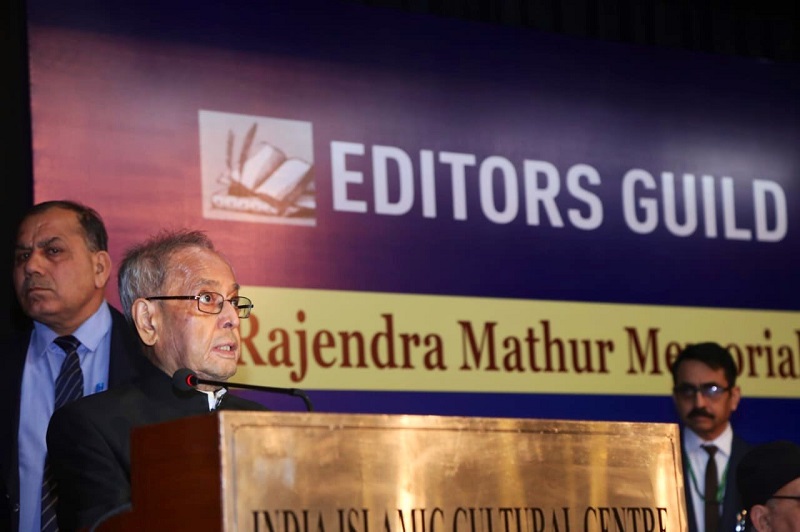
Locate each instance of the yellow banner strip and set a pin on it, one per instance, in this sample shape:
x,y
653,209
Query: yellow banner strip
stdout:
x,y
323,339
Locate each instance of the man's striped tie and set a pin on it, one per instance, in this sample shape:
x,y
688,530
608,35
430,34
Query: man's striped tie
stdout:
x,y
69,386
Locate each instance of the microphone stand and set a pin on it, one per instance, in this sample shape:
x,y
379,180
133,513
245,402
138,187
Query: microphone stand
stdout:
x,y
296,392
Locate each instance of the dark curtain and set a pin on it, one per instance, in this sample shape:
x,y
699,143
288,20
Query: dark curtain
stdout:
x,y
16,161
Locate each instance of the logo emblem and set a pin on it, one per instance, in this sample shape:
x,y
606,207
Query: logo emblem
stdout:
x,y
257,169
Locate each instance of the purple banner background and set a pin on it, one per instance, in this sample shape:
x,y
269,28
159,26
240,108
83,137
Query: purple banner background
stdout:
x,y
116,90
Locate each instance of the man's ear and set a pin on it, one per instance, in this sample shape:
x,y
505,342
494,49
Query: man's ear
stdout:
x,y
736,396
759,516
102,268
146,318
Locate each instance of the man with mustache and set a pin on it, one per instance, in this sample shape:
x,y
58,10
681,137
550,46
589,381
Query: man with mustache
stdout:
x,y
705,395
183,299
60,271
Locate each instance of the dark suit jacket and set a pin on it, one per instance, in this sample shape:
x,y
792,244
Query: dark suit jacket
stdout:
x,y
89,442
732,503
127,362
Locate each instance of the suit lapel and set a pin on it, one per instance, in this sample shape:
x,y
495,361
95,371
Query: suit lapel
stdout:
x,y
126,359
12,366
687,490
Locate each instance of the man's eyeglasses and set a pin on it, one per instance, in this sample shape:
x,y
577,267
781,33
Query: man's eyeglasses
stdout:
x,y
792,497
213,302
709,391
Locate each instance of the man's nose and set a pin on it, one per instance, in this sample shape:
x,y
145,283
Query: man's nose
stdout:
x,y
699,398
229,315
34,263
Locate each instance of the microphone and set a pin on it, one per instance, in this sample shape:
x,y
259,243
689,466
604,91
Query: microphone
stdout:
x,y
185,380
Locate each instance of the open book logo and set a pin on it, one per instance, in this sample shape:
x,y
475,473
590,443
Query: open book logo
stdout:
x,y
265,172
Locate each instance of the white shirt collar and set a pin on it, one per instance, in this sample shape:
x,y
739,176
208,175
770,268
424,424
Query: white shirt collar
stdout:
x,y
694,443
214,398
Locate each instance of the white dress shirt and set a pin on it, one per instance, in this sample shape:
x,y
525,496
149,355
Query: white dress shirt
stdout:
x,y
697,460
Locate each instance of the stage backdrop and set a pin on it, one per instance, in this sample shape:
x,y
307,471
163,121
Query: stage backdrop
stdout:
x,y
435,216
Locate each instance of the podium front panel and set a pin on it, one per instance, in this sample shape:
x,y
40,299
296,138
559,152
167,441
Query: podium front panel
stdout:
x,y
291,472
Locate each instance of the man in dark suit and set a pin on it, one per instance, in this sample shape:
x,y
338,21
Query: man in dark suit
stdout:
x,y
184,301
705,395
61,268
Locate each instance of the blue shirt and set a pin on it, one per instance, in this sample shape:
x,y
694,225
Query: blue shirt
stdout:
x,y
42,366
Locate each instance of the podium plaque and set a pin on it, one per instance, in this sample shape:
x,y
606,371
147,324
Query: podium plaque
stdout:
x,y
314,472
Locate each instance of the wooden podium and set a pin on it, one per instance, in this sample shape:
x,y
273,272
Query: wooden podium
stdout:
x,y
312,472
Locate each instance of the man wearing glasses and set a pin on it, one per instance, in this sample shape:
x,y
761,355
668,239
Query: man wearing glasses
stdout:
x,y
769,481
705,395
183,299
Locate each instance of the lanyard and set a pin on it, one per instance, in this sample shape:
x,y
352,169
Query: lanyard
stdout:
x,y
720,488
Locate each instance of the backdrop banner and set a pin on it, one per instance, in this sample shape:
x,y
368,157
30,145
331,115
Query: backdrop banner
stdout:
x,y
436,216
